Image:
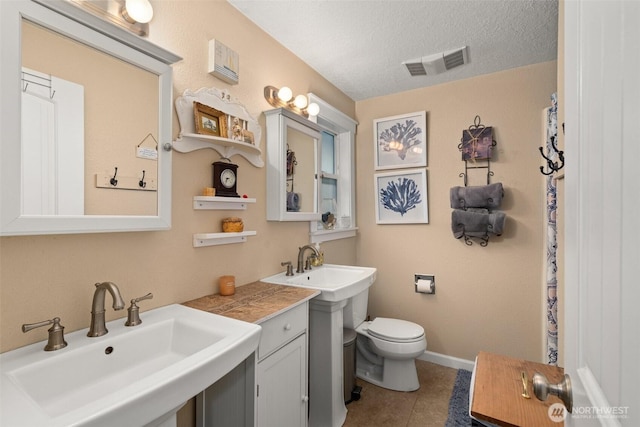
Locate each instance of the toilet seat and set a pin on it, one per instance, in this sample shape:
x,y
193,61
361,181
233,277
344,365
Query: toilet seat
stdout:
x,y
395,330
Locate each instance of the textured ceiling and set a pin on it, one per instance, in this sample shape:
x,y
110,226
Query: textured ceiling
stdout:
x,y
359,45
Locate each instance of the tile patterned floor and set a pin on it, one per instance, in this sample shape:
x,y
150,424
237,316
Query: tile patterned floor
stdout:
x,y
425,407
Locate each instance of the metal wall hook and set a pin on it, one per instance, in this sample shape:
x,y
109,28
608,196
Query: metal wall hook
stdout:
x,y
551,165
113,181
141,183
542,389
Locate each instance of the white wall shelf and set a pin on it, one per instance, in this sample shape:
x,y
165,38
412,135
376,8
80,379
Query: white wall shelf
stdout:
x,y
188,140
213,239
220,203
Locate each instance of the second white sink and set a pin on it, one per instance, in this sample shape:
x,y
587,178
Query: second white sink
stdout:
x,y
335,282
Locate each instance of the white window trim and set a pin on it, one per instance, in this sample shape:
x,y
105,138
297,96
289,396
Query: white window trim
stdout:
x,y
345,129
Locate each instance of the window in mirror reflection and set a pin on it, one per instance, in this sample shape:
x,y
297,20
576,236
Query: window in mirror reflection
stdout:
x,y
120,109
329,185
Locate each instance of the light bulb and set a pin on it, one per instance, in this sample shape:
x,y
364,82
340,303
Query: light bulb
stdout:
x,y
300,101
285,94
139,10
313,109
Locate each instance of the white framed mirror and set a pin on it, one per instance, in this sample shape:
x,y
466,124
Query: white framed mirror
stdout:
x,y
125,89
292,167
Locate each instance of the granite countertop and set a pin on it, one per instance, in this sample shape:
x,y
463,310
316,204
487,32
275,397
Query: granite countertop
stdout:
x,y
254,302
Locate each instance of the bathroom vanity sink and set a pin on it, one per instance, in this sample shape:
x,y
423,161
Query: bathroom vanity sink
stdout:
x,y
137,375
335,282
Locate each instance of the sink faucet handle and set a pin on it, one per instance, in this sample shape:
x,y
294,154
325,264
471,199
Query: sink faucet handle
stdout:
x,y
133,316
289,267
147,296
56,333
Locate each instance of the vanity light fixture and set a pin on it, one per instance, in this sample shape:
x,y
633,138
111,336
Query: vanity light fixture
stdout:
x,y
137,11
132,15
283,98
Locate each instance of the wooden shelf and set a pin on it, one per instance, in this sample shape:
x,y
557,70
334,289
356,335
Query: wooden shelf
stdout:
x,y
213,239
220,203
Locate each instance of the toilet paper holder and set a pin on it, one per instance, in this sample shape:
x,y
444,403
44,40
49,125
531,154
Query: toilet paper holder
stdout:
x,y
425,284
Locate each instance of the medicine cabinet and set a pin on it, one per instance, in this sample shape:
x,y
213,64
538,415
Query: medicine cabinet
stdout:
x,y
292,167
116,138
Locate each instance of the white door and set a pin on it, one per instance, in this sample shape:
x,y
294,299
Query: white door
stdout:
x,y
602,142
52,145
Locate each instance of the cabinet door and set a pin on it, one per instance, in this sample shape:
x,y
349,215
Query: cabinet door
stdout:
x,y
282,386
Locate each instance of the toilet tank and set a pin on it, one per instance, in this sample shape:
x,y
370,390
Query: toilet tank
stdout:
x,y
355,312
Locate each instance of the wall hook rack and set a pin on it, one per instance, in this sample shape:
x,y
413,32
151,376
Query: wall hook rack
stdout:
x,y
553,166
476,145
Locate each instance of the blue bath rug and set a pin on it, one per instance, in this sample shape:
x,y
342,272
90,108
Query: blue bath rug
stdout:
x,y
459,403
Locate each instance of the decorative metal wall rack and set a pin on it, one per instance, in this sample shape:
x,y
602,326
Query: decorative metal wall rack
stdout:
x,y
476,146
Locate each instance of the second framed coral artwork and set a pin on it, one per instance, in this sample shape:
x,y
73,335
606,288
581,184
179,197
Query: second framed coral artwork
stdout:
x,y
401,197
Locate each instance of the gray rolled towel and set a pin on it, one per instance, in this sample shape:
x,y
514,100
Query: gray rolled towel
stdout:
x,y
476,224
293,202
484,196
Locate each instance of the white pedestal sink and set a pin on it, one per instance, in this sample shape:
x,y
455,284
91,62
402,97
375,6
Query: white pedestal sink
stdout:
x,y
133,376
337,283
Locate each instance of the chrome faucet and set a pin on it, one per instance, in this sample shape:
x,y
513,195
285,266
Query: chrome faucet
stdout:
x,y
98,327
301,266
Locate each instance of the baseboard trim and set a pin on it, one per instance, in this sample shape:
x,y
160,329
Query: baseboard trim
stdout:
x,y
448,361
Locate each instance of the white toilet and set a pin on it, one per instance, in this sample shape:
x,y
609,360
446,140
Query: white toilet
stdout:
x,y
386,348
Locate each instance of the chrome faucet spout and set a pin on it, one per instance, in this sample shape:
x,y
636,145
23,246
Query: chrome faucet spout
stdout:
x,y
98,326
301,251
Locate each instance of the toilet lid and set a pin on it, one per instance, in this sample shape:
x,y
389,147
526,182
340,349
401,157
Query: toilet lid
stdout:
x,y
395,329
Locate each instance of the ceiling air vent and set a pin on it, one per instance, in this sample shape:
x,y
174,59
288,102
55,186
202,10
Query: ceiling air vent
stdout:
x,y
437,63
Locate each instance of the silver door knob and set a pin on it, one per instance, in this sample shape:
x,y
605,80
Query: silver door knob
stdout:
x,y
542,389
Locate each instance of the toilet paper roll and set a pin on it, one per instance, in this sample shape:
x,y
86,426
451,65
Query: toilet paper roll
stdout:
x,y
424,286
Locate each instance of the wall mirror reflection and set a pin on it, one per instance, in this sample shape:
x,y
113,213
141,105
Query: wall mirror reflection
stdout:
x,y
292,159
79,123
88,112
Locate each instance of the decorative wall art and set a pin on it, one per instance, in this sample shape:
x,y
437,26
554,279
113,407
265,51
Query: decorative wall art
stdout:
x,y
209,121
401,197
401,141
477,143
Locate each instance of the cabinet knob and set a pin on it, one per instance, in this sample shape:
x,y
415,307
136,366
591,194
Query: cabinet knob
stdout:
x,y
305,398
287,327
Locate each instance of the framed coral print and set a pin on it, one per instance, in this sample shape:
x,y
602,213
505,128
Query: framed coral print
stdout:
x,y
401,197
401,141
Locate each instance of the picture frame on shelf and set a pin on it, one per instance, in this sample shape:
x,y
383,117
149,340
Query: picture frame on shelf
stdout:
x,y
238,130
400,141
209,121
401,197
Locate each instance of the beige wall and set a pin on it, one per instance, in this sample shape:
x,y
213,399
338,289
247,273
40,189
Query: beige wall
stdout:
x,y
46,276
487,298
